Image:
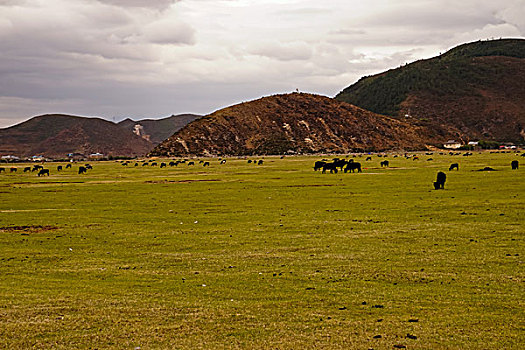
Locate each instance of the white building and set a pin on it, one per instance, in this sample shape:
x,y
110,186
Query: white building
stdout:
x,y
452,144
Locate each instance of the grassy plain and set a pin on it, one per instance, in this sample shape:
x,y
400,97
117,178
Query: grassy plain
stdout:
x,y
265,256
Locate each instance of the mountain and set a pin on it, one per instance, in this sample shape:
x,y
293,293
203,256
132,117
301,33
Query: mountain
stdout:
x,y
56,135
473,91
297,122
157,130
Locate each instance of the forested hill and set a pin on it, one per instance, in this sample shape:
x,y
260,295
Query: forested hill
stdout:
x,y
473,91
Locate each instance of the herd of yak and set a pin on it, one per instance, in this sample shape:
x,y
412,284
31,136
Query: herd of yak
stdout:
x,y
41,171
82,169
324,165
338,164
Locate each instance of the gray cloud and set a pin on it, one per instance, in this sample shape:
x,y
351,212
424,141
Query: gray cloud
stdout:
x,y
158,4
152,58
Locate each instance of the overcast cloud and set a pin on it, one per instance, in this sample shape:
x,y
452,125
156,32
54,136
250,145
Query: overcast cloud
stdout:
x,y
154,58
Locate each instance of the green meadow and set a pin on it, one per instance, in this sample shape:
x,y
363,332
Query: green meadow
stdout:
x,y
271,256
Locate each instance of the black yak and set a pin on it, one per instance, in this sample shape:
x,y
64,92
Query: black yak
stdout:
x,y
330,166
514,165
43,172
352,166
453,166
319,165
440,181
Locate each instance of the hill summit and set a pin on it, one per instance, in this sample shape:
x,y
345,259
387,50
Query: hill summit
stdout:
x,y
290,123
473,91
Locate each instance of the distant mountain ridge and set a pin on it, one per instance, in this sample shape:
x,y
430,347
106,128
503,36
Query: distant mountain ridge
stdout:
x,y
291,123
56,135
159,129
473,91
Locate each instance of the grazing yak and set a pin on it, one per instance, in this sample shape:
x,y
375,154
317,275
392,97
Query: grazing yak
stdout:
x,y
162,165
440,181
319,165
223,161
191,163
260,162
206,164
88,166
27,169
330,166
514,165
368,158
154,164
68,166
13,169
43,172
340,163
352,166
453,166
2,169
37,167
59,168
385,163
82,170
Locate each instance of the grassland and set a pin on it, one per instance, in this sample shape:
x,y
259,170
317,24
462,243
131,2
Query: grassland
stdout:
x,y
270,256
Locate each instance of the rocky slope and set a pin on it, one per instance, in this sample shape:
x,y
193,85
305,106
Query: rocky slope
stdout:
x,y
297,122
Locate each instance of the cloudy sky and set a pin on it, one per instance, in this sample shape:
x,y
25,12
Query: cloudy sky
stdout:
x,y
154,58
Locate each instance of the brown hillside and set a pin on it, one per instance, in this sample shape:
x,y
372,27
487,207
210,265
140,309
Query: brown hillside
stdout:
x,y
297,122
473,91
57,135
494,111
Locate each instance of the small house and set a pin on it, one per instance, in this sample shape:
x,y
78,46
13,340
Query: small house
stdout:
x,y
452,144
96,156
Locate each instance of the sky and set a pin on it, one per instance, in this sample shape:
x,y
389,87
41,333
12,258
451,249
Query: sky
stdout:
x,y
153,58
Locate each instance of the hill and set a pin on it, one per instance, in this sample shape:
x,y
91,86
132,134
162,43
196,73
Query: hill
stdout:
x,y
157,130
56,135
474,91
297,122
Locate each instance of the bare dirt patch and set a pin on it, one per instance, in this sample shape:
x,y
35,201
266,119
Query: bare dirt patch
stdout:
x,y
181,181
28,228
315,185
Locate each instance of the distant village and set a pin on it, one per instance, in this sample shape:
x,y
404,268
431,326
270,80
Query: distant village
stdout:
x,y
73,157
40,158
